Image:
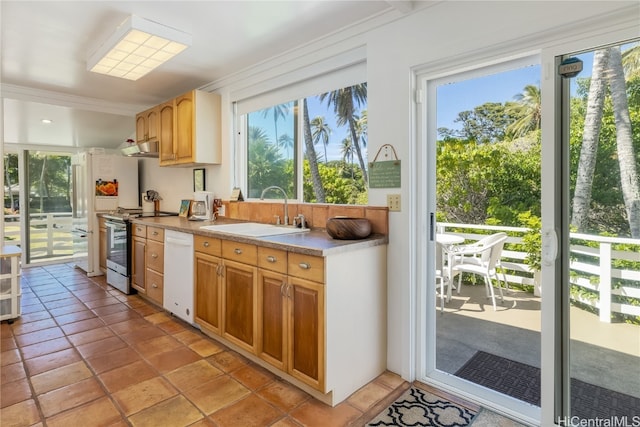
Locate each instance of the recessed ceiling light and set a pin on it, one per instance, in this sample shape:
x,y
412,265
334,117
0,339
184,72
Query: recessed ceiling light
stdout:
x,y
47,121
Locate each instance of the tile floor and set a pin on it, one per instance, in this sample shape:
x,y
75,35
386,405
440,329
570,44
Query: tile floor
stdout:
x,y
83,354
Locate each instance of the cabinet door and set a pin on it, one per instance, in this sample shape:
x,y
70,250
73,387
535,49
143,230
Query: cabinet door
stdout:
x,y
207,283
141,127
166,134
138,262
307,331
184,106
272,320
239,296
152,123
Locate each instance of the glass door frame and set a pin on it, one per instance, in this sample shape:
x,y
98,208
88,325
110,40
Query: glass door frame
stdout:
x,y
426,82
554,305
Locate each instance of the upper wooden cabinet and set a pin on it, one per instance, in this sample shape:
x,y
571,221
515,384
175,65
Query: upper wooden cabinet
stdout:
x,y
190,130
147,123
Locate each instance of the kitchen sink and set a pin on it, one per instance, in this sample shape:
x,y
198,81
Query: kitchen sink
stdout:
x,y
253,229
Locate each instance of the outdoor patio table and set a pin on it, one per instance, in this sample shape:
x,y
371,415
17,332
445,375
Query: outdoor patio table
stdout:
x,y
447,242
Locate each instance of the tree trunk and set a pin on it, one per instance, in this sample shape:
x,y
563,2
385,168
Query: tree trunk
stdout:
x,y
356,145
311,156
590,138
629,182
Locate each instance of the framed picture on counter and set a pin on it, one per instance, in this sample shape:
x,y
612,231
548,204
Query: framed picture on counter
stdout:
x,y
198,180
184,208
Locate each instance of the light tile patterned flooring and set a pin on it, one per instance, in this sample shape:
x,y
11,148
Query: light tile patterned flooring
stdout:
x,y
84,354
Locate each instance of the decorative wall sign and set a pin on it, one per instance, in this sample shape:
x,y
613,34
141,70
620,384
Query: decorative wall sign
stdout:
x,y
385,173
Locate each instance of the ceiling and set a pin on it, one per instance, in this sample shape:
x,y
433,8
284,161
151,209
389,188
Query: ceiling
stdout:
x,y
45,45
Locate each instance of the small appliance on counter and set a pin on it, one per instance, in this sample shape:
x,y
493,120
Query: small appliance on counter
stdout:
x,y
202,206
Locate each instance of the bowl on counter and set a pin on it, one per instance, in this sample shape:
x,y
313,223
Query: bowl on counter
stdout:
x,y
346,228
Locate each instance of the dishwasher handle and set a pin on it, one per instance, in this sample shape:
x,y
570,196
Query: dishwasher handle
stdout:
x,y
178,242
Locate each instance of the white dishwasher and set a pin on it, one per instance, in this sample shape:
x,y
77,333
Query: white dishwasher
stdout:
x,y
178,274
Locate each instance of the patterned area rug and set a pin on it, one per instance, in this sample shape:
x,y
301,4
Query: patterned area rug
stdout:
x,y
420,408
522,381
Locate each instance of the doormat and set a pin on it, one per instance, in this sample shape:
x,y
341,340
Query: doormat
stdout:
x,y
522,382
420,408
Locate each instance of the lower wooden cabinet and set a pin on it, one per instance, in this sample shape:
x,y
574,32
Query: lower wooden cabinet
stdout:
x,y
138,264
239,302
273,320
207,291
291,326
306,331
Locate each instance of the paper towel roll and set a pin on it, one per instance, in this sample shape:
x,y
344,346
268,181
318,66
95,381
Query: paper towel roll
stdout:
x,y
147,205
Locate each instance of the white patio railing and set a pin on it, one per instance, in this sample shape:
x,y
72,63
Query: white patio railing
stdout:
x,y
600,274
50,234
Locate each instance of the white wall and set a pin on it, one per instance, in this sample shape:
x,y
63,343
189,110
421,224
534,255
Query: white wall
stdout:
x,y
448,36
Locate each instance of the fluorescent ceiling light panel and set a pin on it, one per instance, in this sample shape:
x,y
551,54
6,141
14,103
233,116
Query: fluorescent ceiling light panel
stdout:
x,y
136,48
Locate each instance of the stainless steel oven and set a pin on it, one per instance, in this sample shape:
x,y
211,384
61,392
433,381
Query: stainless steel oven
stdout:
x,y
118,271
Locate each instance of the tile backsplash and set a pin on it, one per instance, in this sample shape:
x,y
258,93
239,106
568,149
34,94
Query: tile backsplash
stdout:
x,y
316,215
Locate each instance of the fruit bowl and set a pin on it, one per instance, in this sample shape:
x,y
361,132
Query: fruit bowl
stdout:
x,y
345,228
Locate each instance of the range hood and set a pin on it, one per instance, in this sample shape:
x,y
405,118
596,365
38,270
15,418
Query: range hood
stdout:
x,y
142,149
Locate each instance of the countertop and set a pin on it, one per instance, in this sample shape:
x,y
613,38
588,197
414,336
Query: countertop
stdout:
x,y
314,242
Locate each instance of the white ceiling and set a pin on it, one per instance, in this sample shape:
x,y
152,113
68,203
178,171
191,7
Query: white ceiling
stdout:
x,y
45,45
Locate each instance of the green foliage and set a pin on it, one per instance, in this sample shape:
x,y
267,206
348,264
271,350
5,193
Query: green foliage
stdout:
x,y
339,185
482,183
532,240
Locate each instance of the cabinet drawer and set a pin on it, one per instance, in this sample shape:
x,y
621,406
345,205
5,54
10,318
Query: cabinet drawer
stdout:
x,y
155,256
155,233
155,285
306,267
241,252
207,245
139,230
272,259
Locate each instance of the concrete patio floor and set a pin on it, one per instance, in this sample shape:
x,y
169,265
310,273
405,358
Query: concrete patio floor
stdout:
x,y
469,324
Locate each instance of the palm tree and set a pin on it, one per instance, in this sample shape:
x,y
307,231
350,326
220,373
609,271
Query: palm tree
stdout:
x,y
286,141
345,101
316,181
629,182
320,133
528,109
590,138
347,152
278,111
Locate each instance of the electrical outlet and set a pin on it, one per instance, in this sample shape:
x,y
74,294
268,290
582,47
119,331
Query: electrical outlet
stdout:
x,y
393,202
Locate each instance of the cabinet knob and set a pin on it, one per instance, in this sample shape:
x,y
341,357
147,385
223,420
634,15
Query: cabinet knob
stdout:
x,y
205,244
304,265
154,255
154,285
271,259
238,251
155,233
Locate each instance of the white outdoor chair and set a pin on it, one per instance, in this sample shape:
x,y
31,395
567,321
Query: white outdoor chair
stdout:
x,y
481,258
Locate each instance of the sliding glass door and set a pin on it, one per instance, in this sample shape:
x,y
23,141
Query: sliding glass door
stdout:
x,y
599,285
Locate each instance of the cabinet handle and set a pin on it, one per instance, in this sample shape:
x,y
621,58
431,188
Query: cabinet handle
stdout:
x,y
154,285
304,266
154,255
155,233
282,288
238,251
138,229
205,244
271,259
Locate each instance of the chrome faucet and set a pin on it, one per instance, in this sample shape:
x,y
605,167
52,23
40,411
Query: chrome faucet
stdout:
x,y
286,206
